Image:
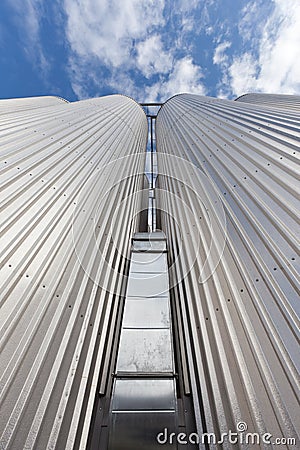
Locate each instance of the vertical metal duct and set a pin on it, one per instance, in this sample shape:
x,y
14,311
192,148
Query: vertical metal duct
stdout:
x,y
144,390
71,175
229,186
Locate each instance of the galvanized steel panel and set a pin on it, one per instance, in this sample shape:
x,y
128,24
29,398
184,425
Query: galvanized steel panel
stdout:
x,y
279,101
147,285
13,105
241,320
148,262
146,312
147,246
145,350
144,395
125,434
61,165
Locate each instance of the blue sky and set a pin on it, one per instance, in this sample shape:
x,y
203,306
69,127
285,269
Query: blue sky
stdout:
x,y
148,49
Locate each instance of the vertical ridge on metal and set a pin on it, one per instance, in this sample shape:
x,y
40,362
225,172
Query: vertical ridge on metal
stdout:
x,y
71,179
144,390
228,181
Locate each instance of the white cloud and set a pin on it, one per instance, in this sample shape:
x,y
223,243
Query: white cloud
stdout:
x,y
151,57
185,11
220,56
242,73
185,77
250,15
28,14
276,68
128,41
107,29
121,83
77,79
186,5
111,43
280,56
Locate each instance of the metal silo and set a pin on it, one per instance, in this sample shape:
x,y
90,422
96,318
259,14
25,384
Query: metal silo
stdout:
x,y
228,197
275,101
118,337
71,180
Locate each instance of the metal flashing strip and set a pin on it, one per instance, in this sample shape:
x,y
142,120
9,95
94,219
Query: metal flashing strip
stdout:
x,y
144,392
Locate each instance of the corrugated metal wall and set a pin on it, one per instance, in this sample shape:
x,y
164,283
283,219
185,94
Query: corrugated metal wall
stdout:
x,y
11,106
234,166
70,180
71,175
277,101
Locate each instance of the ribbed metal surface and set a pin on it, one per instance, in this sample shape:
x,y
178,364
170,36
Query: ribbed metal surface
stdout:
x,y
69,203
272,100
229,181
22,104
